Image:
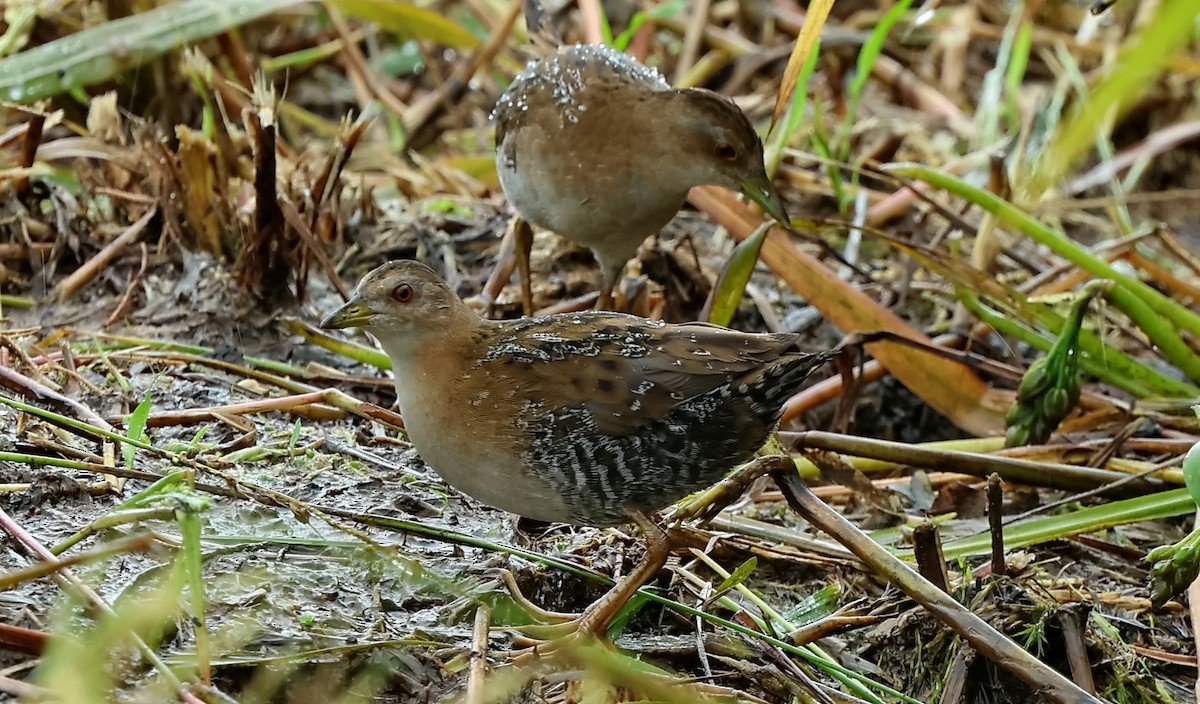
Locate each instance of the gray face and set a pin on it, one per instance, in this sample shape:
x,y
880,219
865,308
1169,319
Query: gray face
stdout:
x,y
721,140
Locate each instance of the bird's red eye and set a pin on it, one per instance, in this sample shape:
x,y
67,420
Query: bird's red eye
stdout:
x,y
727,151
402,293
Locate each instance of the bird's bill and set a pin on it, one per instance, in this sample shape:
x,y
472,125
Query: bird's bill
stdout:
x,y
762,191
354,314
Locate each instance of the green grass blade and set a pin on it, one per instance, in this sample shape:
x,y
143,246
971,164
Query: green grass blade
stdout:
x,y
1165,504
795,114
135,426
1154,313
100,53
192,561
409,21
1142,58
357,352
731,285
867,56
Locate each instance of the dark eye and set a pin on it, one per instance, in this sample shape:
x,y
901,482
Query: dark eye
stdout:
x,y
727,151
402,293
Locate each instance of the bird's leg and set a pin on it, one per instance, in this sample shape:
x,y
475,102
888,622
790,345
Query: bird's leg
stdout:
x,y
612,276
505,261
598,617
523,235
594,622
605,301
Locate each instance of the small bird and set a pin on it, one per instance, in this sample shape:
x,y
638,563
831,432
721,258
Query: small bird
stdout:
x,y
599,148
591,418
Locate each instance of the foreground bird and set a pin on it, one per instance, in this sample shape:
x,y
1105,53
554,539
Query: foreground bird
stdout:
x,y
591,418
599,148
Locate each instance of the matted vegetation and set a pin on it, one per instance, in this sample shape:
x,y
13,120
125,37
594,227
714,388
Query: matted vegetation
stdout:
x,y
205,498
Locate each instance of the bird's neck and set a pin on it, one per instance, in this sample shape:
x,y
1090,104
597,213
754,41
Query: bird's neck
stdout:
x,y
681,160
412,348
426,366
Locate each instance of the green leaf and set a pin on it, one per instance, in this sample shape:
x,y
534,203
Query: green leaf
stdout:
x,y
867,58
871,50
795,114
192,563
152,493
631,608
741,574
448,206
663,11
1164,504
816,606
1191,472
354,351
135,426
295,437
1160,317
731,284
408,20
254,453
401,60
1015,73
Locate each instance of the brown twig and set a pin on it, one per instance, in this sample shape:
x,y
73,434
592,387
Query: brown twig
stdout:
x,y
697,21
1049,684
1099,490
36,251
429,106
313,245
1066,476
8,344
29,148
950,387
131,289
357,64
592,12
22,384
1193,592
927,549
23,640
24,690
103,258
995,513
1062,476
959,678
136,543
1073,619
66,579
477,679
308,405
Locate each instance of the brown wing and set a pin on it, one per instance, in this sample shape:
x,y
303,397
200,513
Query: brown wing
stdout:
x,y
626,371
698,357
620,414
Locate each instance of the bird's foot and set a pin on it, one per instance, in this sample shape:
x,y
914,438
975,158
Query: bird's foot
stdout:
x,y
549,642
549,619
559,633
566,637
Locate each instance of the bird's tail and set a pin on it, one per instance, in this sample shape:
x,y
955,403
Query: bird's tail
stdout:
x,y
542,34
782,379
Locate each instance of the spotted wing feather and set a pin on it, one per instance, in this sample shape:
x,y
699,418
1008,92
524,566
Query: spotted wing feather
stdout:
x,y
669,408
558,77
